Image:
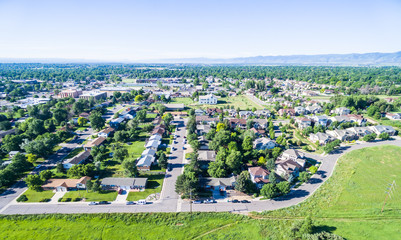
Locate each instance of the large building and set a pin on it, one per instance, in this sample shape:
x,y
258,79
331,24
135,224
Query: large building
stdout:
x,y
73,93
95,94
208,99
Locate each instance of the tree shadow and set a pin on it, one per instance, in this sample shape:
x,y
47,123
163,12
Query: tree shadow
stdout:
x,y
297,193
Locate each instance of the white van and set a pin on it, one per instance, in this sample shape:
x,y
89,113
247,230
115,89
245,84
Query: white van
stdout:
x,y
141,202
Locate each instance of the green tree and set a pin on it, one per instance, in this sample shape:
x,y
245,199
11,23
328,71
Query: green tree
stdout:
x,y
283,187
96,120
234,161
384,136
268,190
82,121
167,118
162,160
139,98
243,183
216,169
303,176
45,175
130,169
34,182
120,154
32,158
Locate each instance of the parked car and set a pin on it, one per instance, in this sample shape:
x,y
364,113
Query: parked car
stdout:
x,y
92,203
210,201
169,168
141,202
37,167
235,201
130,203
120,191
197,202
245,201
103,202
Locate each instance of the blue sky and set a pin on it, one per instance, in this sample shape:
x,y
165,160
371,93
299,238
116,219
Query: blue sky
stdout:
x,y
154,29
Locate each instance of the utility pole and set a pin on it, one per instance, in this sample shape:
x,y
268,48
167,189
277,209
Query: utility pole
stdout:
x,y
389,192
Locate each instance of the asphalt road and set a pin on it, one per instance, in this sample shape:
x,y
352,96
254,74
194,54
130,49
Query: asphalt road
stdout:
x,y
169,199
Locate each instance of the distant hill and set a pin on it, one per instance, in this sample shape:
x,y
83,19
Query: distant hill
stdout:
x,y
354,59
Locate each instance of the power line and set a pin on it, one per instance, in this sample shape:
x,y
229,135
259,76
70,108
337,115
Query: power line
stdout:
x,y
389,192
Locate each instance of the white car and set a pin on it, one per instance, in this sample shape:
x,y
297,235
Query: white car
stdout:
x,y
92,203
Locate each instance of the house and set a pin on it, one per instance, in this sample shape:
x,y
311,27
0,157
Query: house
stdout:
x,y
220,184
208,99
213,111
294,155
263,143
379,129
260,123
106,132
150,152
96,142
393,116
153,144
155,137
343,135
203,129
145,162
259,175
235,122
7,132
78,159
84,115
288,111
300,110
287,168
245,114
360,131
262,113
342,111
159,130
205,157
199,112
258,132
12,154
64,185
314,109
128,184
115,123
322,138
206,119
321,120
175,107
303,122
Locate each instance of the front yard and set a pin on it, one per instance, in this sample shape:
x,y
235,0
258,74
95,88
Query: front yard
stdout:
x,y
154,185
92,196
34,196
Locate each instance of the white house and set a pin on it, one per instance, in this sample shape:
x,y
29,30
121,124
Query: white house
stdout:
x,y
263,143
208,99
342,111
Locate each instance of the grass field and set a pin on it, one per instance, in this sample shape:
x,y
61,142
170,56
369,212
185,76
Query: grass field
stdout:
x,y
34,196
92,196
154,185
135,149
242,102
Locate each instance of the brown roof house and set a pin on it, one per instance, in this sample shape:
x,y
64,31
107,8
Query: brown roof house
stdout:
x,y
63,185
78,159
259,176
96,142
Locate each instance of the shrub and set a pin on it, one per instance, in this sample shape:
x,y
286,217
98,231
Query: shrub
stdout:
x,y
22,198
77,199
44,200
65,200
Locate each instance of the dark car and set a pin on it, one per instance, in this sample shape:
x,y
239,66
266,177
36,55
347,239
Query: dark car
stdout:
x,y
324,176
245,201
235,201
130,203
103,202
169,168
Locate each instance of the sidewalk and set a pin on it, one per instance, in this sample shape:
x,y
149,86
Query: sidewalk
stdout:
x,y
121,198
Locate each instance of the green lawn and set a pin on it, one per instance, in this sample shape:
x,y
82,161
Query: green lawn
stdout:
x,y
92,196
135,149
34,196
240,101
154,185
184,100
74,152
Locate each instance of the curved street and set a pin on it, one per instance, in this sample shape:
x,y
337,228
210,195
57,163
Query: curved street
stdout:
x,y
170,202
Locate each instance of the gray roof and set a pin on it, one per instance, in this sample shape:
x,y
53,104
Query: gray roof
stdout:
x,y
217,181
209,156
134,182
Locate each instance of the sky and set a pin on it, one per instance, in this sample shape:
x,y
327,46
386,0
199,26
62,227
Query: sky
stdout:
x,y
119,30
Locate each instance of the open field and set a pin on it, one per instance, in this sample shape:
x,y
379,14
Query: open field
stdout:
x,y
135,149
242,102
92,196
34,196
